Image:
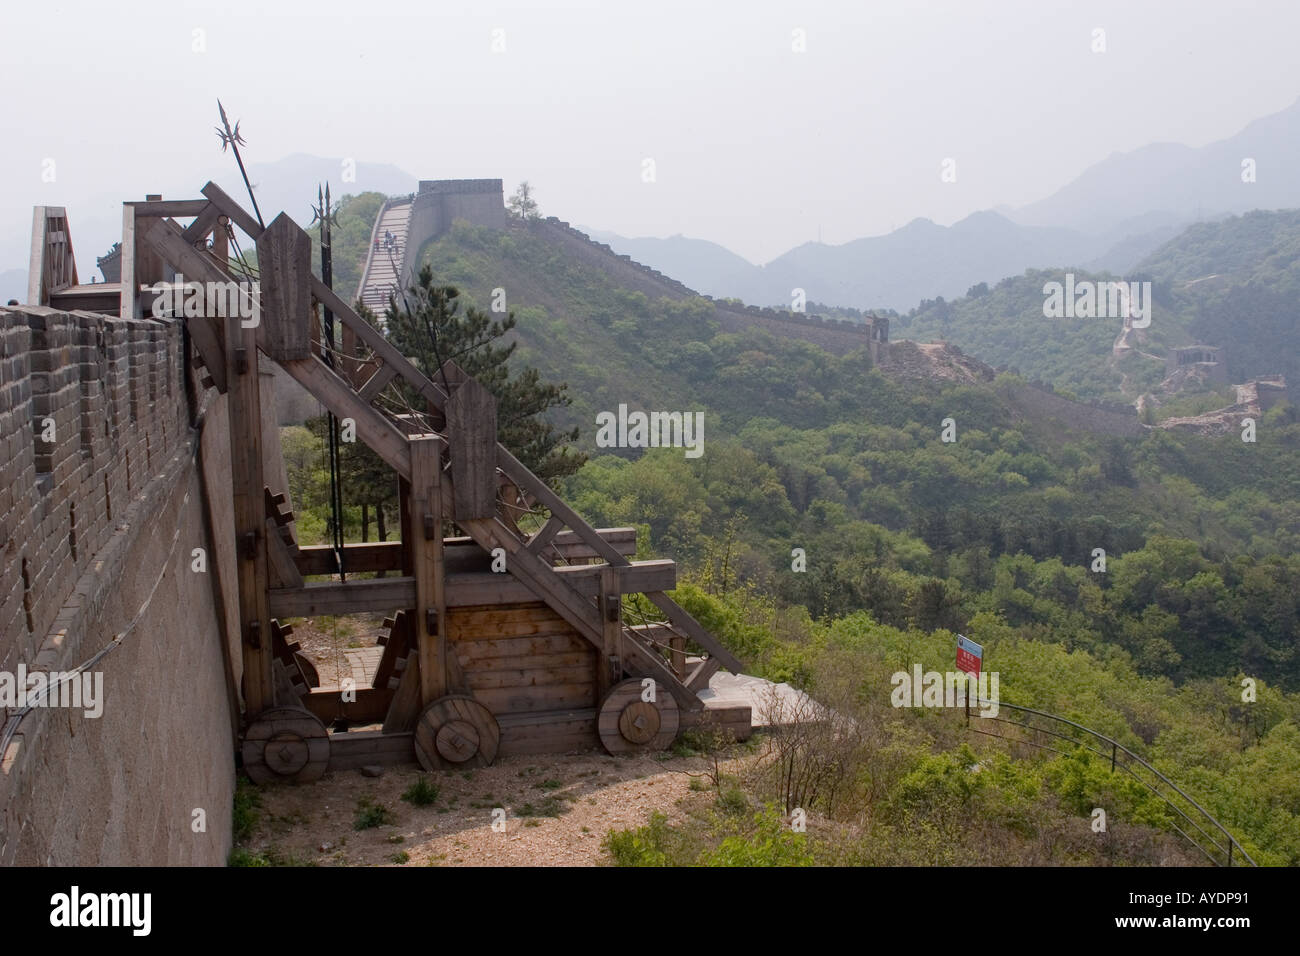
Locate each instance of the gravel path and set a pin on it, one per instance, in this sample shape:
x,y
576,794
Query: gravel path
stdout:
x,y
592,793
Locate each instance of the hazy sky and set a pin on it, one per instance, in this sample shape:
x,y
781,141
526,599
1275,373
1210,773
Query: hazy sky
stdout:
x,y
755,145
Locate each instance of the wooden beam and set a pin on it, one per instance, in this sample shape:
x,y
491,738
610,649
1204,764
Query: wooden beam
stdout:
x,y
170,207
245,413
284,262
327,703
376,383
334,393
538,542
472,434
530,483
375,341
466,589
608,668
357,558
430,598
352,597
406,705
202,225
232,209
699,677
695,630
284,573
165,239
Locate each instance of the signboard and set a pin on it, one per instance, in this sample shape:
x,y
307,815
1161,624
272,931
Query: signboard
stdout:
x,y
969,655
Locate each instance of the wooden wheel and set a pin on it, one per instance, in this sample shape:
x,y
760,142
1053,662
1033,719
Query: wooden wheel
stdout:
x,y
628,724
456,731
287,744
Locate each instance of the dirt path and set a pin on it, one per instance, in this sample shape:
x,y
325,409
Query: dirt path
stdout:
x,y
558,810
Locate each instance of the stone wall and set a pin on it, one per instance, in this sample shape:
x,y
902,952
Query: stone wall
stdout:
x,y
97,528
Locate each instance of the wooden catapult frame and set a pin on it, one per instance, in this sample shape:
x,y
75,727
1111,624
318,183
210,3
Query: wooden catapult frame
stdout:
x,y
537,659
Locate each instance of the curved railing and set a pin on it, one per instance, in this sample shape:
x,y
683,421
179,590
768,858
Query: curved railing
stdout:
x,y
1228,853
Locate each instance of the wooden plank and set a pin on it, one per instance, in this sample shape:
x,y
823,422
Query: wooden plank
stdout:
x,y
170,207
245,413
474,665
531,676
513,700
372,556
334,393
284,573
284,262
493,631
472,434
430,607
357,749
232,209
483,651
369,707
567,544
352,597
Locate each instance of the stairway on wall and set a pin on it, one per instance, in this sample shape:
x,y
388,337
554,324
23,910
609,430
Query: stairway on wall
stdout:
x,y
380,278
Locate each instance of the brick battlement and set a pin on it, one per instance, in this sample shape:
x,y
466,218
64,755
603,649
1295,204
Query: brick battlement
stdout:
x,y
111,394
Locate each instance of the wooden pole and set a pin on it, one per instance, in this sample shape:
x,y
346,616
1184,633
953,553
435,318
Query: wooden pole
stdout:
x,y
425,523
245,417
611,606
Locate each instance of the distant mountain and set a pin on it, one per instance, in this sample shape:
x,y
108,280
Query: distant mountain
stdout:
x,y
289,184
923,260
895,271
703,265
1251,308
1107,219
1181,182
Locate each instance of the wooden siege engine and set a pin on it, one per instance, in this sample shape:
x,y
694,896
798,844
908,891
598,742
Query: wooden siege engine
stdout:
x,y
538,657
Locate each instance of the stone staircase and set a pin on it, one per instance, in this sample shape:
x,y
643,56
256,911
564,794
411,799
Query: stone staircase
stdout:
x,y
380,278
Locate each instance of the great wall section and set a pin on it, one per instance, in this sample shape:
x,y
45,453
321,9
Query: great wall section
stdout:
x,y
102,503
149,541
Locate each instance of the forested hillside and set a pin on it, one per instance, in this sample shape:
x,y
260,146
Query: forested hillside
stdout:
x,y
909,539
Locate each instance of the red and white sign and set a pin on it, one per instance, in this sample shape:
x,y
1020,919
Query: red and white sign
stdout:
x,y
969,655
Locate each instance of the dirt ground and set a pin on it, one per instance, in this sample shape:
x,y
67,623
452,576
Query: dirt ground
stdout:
x,y
558,810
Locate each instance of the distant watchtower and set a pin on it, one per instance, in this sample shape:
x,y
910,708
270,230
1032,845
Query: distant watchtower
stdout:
x,y
440,202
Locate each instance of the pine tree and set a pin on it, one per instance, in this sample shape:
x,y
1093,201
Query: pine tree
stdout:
x,y
437,330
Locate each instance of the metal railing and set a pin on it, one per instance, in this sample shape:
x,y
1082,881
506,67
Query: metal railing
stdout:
x,y
1228,853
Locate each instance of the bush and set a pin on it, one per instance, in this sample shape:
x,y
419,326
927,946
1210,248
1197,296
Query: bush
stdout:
x,y
422,793
370,815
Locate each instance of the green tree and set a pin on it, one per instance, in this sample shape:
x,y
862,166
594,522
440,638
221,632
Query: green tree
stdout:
x,y
521,205
436,330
